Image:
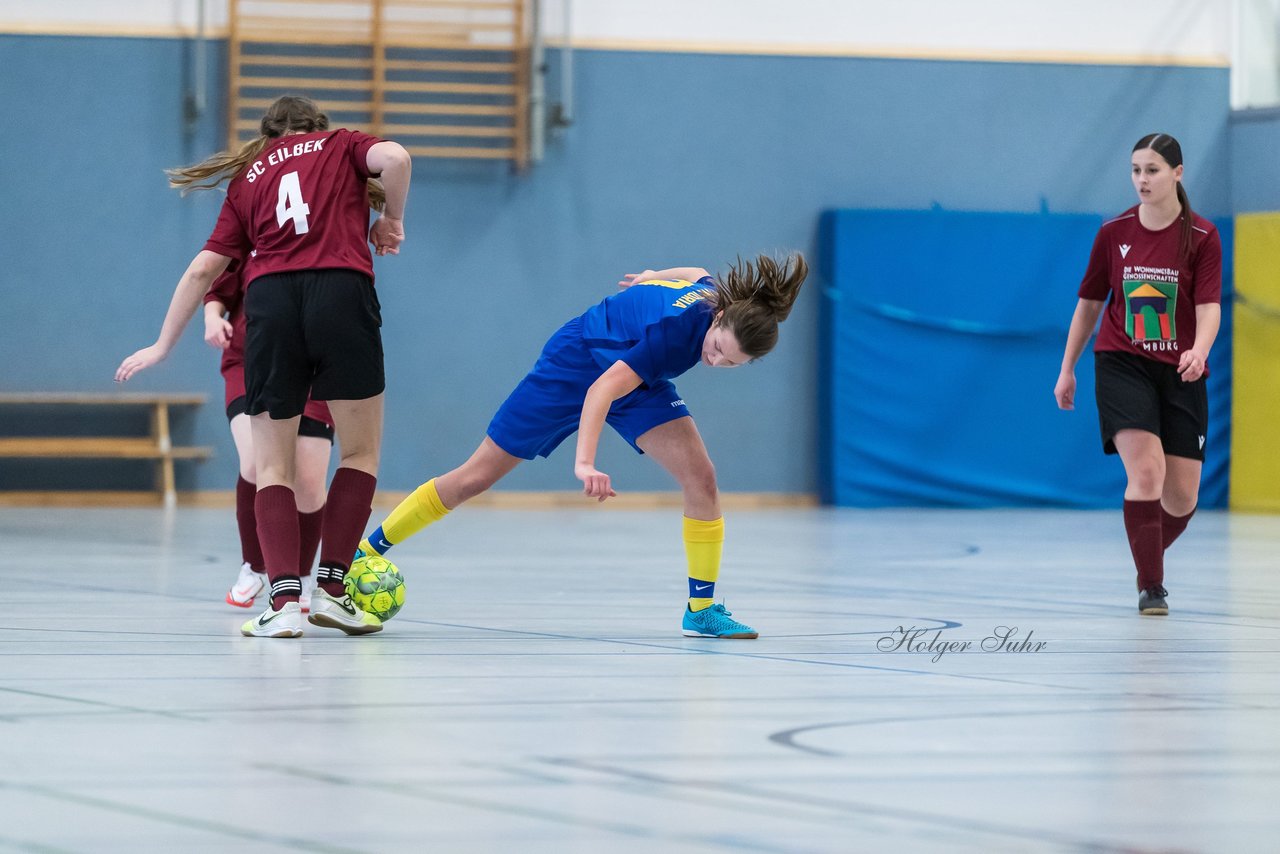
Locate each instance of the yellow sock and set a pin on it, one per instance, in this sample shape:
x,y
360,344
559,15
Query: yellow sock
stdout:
x,y
703,543
410,516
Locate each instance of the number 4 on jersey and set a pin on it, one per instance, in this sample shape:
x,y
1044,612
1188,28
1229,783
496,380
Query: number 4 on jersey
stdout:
x,y
289,204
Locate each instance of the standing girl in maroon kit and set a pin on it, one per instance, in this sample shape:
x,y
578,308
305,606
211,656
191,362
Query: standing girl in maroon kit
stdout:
x,y
296,217
1161,266
225,329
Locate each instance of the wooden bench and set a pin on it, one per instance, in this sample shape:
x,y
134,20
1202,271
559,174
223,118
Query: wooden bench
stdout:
x,y
156,446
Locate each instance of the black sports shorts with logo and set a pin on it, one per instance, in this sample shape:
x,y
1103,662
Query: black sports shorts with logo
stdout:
x,y
311,333
1138,393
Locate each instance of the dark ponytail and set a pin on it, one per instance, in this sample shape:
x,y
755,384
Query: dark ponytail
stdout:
x,y
755,298
1184,245
1168,148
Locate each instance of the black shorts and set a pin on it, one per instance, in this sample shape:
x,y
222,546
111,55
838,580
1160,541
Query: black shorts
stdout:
x,y
1137,393
311,333
307,426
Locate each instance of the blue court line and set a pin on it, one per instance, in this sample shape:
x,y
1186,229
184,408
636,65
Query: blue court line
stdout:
x,y
787,737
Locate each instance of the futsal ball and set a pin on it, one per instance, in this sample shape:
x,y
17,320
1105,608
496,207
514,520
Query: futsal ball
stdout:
x,y
375,586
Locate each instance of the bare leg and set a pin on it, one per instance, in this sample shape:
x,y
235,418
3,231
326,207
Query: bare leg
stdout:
x,y
358,424
1144,463
242,436
488,465
274,449
312,467
1181,485
677,447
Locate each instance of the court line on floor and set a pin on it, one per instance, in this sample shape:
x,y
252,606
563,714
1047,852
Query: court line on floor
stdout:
x,y
425,792
182,821
787,737
761,656
116,707
33,847
916,817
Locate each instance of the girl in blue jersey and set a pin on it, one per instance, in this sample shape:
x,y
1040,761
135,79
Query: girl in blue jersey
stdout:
x,y
614,364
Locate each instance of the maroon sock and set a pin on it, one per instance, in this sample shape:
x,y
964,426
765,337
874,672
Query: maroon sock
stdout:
x,y
308,540
247,521
345,514
1146,540
277,511
1173,526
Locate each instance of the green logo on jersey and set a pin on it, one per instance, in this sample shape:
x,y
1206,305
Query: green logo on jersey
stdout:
x,y
1149,309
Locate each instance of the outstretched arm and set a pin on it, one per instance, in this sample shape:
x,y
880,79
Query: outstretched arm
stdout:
x,y
1082,324
614,383
192,287
688,274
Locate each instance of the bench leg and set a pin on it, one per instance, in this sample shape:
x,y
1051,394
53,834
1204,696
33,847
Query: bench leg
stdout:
x,y
160,432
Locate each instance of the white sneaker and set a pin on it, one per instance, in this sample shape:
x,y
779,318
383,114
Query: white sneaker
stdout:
x,y
248,585
341,613
308,587
285,623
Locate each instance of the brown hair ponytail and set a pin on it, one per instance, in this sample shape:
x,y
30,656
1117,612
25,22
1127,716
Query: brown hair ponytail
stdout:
x,y
288,113
756,297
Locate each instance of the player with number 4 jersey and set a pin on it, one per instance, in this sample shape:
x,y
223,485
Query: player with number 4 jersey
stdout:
x,y
296,218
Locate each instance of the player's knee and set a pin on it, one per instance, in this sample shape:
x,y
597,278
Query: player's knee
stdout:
x,y
310,491
1147,475
700,481
362,458
1180,499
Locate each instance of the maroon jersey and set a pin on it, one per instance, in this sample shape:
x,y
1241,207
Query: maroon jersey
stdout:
x,y
1153,296
301,205
227,289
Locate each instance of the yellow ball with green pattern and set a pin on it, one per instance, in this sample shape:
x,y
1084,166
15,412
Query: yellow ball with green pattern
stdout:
x,y
375,586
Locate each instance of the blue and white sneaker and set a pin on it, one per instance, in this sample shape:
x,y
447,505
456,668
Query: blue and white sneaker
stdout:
x,y
715,622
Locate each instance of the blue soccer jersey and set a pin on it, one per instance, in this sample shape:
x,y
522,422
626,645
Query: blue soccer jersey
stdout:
x,y
656,327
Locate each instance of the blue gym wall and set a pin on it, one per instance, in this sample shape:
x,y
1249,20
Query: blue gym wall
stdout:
x,y
674,159
1255,181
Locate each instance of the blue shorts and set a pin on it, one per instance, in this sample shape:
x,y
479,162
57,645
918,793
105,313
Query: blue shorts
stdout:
x,y
546,406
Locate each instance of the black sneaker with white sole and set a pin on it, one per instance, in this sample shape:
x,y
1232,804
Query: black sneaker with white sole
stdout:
x,y
1151,601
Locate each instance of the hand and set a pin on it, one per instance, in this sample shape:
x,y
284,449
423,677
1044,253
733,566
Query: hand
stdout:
x,y
386,235
595,483
1191,365
631,278
217,332
141,360
1065,391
